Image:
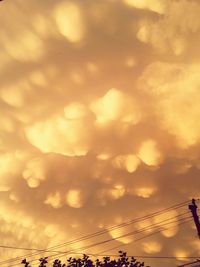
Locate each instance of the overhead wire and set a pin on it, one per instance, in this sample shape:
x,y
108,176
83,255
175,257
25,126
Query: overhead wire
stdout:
x,y
160,224
174,206
114,227
148,235
121,245
62,254
125,235
186,264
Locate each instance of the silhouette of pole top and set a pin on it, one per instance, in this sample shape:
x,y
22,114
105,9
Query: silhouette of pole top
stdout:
x,y
193,208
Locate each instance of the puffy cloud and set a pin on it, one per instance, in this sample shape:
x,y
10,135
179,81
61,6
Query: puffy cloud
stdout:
x,y
114,105
152,247
145,192
54,200
172,31
75,111
168,229
120,232
127,162
153,5
69,21
74,198
60,135
34,172
149,153
176,91
96,128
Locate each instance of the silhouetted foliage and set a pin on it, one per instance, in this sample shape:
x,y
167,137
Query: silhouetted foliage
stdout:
x,y
85,261
57,263
43,262
25,262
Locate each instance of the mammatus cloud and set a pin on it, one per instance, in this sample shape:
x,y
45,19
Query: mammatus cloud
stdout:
x,y
173,31
176,92
152,5
115,106
99,122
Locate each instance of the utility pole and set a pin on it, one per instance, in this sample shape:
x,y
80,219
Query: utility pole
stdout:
x,y
193,208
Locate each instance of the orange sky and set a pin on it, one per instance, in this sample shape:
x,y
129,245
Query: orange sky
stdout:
x,y
99,121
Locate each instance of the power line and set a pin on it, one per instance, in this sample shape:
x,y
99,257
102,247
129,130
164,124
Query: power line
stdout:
x,y
114,227
73,252
142,256
96,255
63,253
148,228
173,207
147,257
119,246
186,264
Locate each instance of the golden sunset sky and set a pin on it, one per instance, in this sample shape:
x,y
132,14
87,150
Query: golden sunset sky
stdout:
x,y
99,123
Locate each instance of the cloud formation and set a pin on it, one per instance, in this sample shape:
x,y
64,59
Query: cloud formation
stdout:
x,y
99,121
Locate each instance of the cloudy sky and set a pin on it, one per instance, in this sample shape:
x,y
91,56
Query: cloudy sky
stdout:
x,y
99,123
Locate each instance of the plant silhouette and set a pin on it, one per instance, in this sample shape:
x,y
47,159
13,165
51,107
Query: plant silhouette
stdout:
x,y
122,261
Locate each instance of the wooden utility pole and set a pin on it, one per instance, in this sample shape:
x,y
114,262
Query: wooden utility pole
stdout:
x,y
193,208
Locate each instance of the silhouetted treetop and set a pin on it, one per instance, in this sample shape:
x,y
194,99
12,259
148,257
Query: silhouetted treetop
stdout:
x,y
122,261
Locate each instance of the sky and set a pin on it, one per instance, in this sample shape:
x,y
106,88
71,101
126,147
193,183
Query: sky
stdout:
x,y
99,123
